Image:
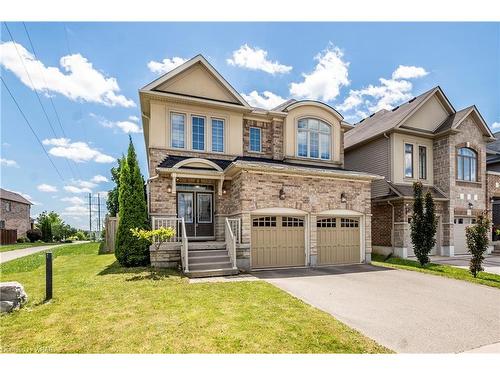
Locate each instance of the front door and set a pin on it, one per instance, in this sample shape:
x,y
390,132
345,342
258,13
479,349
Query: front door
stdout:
x,y
197,210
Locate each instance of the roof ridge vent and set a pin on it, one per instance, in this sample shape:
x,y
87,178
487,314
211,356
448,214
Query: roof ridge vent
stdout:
x,y
373,114
412,99
395,108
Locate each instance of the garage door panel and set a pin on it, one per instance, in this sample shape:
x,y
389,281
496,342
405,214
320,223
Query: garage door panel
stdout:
x,y
459,238
277,242
338,241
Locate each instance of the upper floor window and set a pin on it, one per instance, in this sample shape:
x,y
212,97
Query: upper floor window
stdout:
x,y
467,164
408,160
8,206
177,125
313,139
422,162
255,139
198,133
217,135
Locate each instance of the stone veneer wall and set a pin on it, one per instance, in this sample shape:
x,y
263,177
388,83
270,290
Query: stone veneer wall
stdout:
x,y
267,138
17,218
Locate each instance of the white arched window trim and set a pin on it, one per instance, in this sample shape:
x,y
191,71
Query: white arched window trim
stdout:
x,y
314,138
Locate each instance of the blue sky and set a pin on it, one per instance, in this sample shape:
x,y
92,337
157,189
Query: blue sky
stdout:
x,y
92,72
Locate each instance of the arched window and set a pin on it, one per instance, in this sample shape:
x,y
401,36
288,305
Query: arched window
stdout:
x,y
466,164
314,138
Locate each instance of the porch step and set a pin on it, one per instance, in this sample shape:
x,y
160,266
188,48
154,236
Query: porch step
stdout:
x,y
206,253
209,259
213,272
206,245
210,266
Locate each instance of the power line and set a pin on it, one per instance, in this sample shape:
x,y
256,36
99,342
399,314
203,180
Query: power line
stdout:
x,y
35,90
31,128
50,98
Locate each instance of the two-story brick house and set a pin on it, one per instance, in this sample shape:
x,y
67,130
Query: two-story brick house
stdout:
x,y
245,187
15,212
427,140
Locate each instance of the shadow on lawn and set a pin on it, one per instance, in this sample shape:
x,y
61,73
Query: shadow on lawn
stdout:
x,y
139,273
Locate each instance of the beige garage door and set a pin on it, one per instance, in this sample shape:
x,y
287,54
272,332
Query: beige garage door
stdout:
x,y
338,240
277,241
459,241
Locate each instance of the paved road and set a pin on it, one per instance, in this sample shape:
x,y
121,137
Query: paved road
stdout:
x,y
491,263
406,311
14,254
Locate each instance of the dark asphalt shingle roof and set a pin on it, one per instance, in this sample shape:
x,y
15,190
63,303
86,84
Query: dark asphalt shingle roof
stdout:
x,y
407,191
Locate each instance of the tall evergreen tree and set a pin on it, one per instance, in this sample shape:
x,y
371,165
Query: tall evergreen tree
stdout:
x,y
423,224
131,251
112,202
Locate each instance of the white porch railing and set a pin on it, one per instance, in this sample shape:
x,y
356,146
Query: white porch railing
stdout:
x,y
235,225
172,222
230,242
180,235
184,248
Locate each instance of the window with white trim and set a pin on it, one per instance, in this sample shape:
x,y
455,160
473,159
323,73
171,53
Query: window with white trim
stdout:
x,y
198,133
408,160
422,162
178,123
467,164
314,139
255,139
217,135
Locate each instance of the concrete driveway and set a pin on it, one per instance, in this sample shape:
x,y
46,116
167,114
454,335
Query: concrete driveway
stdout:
x,y
406,311
491,263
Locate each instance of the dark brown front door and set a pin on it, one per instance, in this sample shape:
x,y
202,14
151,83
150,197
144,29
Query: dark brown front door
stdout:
x,y
197,210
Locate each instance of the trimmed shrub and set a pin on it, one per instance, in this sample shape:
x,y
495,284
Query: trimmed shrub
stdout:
x,y
34,235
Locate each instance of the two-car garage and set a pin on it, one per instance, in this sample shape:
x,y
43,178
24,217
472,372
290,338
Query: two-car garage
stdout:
x,y
279,241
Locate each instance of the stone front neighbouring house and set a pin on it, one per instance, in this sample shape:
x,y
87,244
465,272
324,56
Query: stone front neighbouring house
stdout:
x,y
247,188
15,212
424,140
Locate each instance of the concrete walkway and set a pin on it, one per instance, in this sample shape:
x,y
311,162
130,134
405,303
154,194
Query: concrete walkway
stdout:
x,y
14,254
406,311
491,263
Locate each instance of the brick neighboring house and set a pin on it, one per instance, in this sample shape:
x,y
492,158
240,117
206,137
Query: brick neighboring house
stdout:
x,y
15,212
427,140
493,177
249,188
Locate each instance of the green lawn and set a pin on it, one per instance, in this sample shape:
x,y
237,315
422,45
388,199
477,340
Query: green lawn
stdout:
x,y
100,307
18,246
484,278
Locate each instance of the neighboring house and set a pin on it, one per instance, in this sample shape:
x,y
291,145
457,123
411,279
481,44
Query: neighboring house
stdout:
x,y
493,177
427,140
276,178
15,212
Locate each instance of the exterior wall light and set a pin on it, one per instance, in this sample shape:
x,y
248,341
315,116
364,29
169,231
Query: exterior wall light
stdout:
x,y
343,198
169,189
470,205
282,194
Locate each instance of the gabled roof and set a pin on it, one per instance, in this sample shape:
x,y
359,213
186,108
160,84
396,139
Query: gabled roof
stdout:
x,y
406,191
385,120
456,119
12,196
198,59
494,147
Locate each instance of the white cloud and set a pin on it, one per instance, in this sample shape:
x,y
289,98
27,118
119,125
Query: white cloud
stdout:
x,y
9,163
78,80
386,95
76,190
98,179
267,100
46,188
73,200
409,72
166,65
256,59
127,126
76,210
328,77
495,126
76,151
